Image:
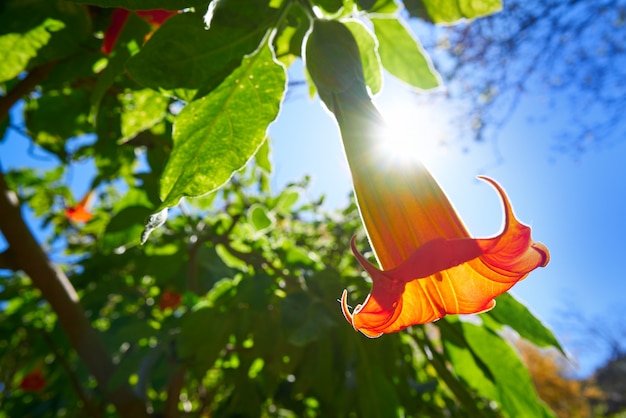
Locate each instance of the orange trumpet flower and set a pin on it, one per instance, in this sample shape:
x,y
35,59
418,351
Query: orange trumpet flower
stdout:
x,y
80,212
430,265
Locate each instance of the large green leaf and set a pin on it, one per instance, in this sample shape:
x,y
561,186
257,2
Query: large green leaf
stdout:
x,y
513,382
509,311
402,55
450,11
216,135
465,365
183,54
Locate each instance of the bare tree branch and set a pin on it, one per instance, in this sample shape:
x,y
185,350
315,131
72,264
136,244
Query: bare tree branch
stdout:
x,y
24,87
571,53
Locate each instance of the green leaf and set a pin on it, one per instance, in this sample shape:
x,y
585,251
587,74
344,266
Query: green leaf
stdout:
x,y
333,58
466,368
182,54
402,55
451,11
57,116
125,227
369,56
515,387
377,396
305,319
216,135
203,334
331,6
262,157
38,31
111,159
141,110
509,311
286,199
260,218
365,4
464,363
20,47
378,6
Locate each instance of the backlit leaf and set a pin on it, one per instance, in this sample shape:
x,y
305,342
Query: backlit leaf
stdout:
x,y
216,135
142,109
21,47
450,11
38,31
402,55
509,311
465,365
260,219
513,383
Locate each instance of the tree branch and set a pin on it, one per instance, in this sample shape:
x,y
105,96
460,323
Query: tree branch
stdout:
x,y
61,295
174,386
24,87
7,262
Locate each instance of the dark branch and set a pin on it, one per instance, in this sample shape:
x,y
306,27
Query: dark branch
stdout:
x,y
24,87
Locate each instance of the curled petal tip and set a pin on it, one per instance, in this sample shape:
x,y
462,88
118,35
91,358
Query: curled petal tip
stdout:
x,y
543,251
345,309
369,267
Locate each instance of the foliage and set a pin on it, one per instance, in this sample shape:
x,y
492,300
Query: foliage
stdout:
x,y
229,308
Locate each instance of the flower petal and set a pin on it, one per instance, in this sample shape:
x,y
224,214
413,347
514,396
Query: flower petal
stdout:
x,y
80,212
118,20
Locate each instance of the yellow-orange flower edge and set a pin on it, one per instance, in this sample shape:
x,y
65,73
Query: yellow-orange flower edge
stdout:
x,y
447,276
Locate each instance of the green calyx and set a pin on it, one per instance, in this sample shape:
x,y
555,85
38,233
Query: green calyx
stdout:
x,y
332,57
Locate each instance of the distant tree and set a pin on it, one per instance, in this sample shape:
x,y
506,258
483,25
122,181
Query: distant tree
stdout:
x,y
551,376
611,380
573,53
603,337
